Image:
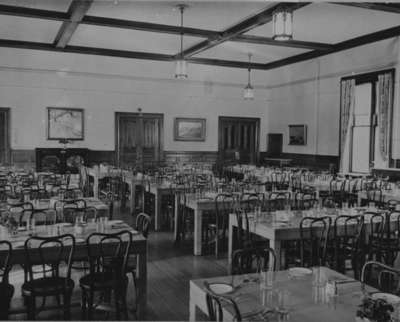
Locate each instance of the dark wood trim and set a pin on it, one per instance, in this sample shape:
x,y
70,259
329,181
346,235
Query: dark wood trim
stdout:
x,y
257,120
76,11
33,13
344,45
370,76
119,115
390,7
242,27
289,43
316,161
7,133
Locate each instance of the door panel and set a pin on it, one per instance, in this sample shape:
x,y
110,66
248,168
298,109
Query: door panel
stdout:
x,y
238,137
131,140
4,136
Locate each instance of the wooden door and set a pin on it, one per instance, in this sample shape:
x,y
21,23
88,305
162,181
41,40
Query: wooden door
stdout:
x,y
4,136
238,139
275,141
134,137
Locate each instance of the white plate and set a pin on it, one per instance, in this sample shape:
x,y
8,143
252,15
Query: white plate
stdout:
x,y
221,288
64,224
115,221
299,271
390,298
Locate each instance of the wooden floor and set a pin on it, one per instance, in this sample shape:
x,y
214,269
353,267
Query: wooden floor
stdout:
x,y
170,268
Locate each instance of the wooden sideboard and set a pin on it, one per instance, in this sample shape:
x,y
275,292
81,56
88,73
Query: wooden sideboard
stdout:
x,y
61,160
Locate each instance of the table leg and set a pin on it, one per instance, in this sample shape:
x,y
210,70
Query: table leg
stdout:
x,y
230,242
198,214
142,285
157,210
132,196
192,311
176,217
279,252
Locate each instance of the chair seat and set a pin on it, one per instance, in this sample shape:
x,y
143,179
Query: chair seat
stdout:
x,y
100,281
6,292
47,286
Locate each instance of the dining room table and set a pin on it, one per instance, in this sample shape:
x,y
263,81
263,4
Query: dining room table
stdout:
x,y
138,247
284,225
299,294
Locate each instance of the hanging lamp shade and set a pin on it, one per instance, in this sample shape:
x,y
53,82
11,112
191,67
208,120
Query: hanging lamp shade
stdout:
x,y
282,24
181,69
248,92
181,63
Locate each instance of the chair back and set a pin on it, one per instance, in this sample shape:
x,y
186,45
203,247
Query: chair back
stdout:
x,y
253,260
216,302
243,235
380,276
5,265
314,234
143,224
46,256
109,253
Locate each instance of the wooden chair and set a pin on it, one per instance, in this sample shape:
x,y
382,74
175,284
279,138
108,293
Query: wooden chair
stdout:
x,y
45,275
253,260
108,256
314,234
383,277
348,243
6,289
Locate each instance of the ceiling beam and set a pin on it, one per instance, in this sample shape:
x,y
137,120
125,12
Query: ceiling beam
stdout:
x,y
390,7
77,10
348,44
148,26
344,45
122,53
244,26
288,43
33,13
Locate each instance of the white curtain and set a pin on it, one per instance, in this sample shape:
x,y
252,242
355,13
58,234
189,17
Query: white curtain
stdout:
x,y
346,119
385,108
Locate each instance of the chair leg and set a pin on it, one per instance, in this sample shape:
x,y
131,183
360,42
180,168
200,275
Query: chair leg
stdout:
x,y
83,305
67,306
90,305
31,306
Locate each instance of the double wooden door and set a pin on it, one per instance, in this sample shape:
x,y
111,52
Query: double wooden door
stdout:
x,y
238,139
4,136
139,139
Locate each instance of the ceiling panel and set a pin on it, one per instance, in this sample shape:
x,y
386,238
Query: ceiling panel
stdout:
x,y
56,5
239,51
330,23
28,29
214,15
133,40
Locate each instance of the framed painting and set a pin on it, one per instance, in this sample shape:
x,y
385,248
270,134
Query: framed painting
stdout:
x,y
189,129
65,123
298,134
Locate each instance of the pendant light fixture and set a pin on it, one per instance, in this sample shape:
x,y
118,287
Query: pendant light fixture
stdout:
x,y
248,93
181,64
282,19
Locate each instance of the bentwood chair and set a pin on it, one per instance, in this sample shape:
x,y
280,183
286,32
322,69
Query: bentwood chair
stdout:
x,y
314,233
253,260
348,243
383,277
6,289
215,304
108,255
46,274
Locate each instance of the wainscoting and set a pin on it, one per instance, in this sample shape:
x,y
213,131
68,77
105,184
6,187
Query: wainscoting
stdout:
x,y
312,161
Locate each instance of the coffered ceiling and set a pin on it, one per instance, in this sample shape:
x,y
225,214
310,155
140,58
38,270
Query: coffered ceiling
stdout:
x,y
220,33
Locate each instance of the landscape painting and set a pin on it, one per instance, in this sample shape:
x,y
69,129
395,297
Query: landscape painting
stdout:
x,y
189,129
64,123
297,134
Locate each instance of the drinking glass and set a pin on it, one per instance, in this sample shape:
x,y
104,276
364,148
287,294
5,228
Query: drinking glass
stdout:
x,y
267,278
283,305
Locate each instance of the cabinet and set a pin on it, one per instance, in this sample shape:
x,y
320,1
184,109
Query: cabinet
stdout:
x,y
61,160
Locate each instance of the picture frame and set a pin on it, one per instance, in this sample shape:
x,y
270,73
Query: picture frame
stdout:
x,y
189,129
65,123
298,134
